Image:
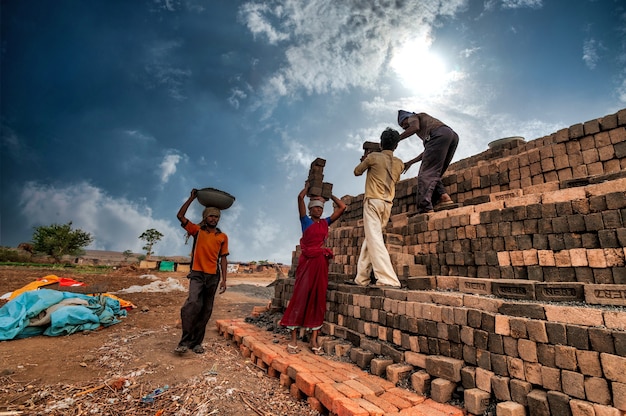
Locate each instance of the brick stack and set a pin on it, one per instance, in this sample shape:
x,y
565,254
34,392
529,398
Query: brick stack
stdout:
x,y
317,186
331,387
533,354
504,284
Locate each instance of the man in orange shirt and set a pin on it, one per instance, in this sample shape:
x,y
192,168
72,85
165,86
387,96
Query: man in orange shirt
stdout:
x,y
208,264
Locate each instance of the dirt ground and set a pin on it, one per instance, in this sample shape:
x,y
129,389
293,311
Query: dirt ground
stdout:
x,y
113,370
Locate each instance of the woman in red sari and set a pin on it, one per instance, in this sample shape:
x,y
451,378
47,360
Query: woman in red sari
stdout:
x,y
307,305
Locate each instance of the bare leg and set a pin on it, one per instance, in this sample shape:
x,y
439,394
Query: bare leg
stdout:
x,y
314,339
292,346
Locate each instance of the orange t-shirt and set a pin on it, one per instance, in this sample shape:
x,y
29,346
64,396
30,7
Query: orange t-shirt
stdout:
x,y
208,247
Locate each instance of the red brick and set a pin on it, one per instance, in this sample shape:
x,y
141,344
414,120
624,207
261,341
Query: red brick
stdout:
x,y
316,405
420,381
551,378
601,410
360,387
272,372
444,367
382,403
597,390
379,385
397,401
614,367
581,408
295,392
398,372
483,379
285,380
476,401
347,407
527,350
619,395
573,384
574,315
326,393
415,359
532,372
565,357
378,366
295,368
307,382
408,396
445,409
370,407
510,409
441,390
589,363
281,364
347,391
245,351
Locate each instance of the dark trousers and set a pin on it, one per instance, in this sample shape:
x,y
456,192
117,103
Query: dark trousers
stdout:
x,y
196,311
438,153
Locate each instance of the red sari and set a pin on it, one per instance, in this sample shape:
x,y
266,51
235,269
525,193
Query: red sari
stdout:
x,y
307,305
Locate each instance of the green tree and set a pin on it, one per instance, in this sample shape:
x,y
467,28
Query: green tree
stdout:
x,y
127,254
59,240
151,237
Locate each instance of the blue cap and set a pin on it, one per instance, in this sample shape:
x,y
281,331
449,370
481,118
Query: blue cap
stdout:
x,y
403,115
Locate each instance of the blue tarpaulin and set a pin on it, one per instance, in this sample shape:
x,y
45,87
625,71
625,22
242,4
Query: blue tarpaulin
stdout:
x,y
54,313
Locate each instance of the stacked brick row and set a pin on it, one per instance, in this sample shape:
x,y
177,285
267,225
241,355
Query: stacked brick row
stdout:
x,y
569,229
544,357
595,147
571,235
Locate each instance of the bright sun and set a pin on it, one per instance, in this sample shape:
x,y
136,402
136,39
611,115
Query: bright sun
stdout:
x,y
420,69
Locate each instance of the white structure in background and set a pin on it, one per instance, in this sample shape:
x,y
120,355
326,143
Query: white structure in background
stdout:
x,y
232,268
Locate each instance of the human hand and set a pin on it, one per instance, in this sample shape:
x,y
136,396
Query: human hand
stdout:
x,y
222,286
194,193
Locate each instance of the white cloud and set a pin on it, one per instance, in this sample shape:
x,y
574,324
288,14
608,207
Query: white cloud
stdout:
x,y
139,136
258,22
590,53
519,4
466,53
168,165
335,46
236,95
115,224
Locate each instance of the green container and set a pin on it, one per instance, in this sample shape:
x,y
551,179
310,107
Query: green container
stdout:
x,y
166,266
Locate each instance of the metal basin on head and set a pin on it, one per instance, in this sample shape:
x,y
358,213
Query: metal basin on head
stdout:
x,y
501,142
211,197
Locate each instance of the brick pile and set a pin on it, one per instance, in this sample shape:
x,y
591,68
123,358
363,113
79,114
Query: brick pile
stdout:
x,y
492,348
518,296
317,186
329,385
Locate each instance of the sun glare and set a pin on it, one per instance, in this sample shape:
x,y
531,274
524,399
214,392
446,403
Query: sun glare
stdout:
x,y
420,69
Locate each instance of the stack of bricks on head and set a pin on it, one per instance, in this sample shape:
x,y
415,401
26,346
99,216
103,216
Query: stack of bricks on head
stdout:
x,y
317,186
369,147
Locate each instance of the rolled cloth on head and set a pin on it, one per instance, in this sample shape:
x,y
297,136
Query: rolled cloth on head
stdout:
x,y
211,211
403,115
316,203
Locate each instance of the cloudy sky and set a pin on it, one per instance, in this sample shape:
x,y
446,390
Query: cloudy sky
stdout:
x,y
112,111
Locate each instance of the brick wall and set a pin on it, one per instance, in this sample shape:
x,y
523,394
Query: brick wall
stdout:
x,y
518,296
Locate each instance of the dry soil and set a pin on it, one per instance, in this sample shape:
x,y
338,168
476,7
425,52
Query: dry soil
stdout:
x,y
113,370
